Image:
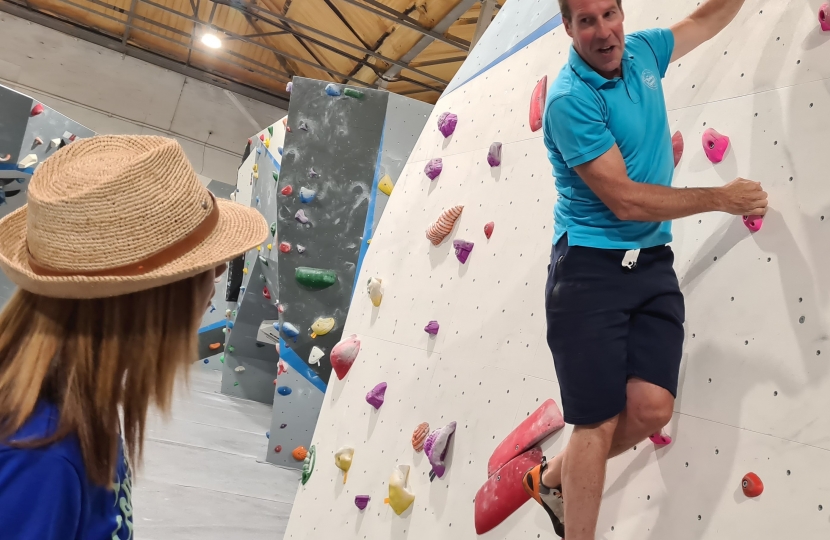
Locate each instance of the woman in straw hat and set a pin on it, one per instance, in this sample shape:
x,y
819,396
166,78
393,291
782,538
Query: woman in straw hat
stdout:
x,y
115,257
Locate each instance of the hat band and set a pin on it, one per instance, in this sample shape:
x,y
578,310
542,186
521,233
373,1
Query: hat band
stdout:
x,y
165,256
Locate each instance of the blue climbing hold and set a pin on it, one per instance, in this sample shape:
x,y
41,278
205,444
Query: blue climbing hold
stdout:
x,y
206,360
257,199
277,326
279,149
230,325
290,330
267,434
20,180
307,195
283,390
258,150
333,90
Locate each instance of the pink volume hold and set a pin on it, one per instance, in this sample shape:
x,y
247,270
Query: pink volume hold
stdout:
x,y
753,223
824,16
715,145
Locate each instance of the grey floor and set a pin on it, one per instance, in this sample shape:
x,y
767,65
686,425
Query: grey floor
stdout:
x,y
203,476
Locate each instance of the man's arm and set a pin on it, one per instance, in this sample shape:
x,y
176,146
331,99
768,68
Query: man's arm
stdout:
x,y
608,178
702,25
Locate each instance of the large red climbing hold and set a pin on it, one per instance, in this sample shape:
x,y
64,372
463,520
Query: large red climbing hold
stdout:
x,y
542,423
537,104
287,190
824,16
503,493
278,448
37,109
677,146
343,355
285,247
752,485
266,293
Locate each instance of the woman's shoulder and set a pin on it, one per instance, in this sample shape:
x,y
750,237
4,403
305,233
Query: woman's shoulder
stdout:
x,y
42,423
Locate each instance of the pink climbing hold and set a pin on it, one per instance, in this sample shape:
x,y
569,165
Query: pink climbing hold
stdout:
x,y
446,123
434,168
488,229
715,145
824,16
431,328
37,109
659,439
262,137
343,355
376,395
462,250
266,293
677,146
494,155
753,223
537,103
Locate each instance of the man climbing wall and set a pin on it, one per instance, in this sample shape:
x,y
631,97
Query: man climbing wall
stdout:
x,y
615,312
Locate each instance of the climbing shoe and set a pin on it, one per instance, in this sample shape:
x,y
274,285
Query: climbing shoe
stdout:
x,y
549,498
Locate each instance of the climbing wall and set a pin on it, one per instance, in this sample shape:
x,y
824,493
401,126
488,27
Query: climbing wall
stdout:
x,y
339,150
755,381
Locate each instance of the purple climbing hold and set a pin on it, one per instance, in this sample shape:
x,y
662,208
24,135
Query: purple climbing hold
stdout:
x,y
446,123
303,125
283,426
462,249
289,87
312,173
494,155
431,328
361,501
436,446
300,216
434,168
376,395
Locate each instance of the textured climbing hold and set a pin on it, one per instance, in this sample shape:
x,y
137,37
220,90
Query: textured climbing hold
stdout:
x,y
5,158
283,390
373,287
308,463
289,87
38,141
267,143
537,103
443,225
269,246
27,161
206,360
274,229
494,154
262,137
271,130
376,395
715,145
278,448
256,167
300,216
283,426
436,447
660,439
419,436
322,326
677,146
753,223
236,384
312,173
315,355
503,493
303,125
362,501
824,16
752,485
257,202
446,123
343,460
240,369
462,250
299,453
244,270
280,308
332,90
54,143
222,358
433,168
385,185
37,109
290,330
400,498
431,328
285,247
315,278
488,229
351,92
300,248
540,424
267,434
344,354
214,346
230,349
307,195
266,293
287,190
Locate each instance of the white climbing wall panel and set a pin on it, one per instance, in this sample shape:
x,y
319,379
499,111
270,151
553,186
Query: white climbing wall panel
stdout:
x,y
755,379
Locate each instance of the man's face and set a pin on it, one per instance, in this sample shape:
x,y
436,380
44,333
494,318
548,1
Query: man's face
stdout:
x,y
596,27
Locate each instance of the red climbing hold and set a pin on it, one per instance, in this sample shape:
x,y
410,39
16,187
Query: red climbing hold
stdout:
x,y
503,493
262,137
537,104
266,293
250,141
287,190
37,109
752,485
677,146
824,16
542,423
488,229
278,448
285,247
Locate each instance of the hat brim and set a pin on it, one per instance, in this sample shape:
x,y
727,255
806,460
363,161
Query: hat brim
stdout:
x,y
238,230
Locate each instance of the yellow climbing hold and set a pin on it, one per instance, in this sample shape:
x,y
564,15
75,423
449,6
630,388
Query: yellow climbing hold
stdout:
x,y
321,327
256,168
267,143
400,498
385,185
343,460
375,292
244,270
256,176
369,241
269,246
259,248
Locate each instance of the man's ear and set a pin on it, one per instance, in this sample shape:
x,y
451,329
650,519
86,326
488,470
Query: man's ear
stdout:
x,y
568,29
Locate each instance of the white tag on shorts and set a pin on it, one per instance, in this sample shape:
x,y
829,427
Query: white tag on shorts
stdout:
x,y
630,259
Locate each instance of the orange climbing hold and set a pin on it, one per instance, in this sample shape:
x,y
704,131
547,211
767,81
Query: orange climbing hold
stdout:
x,y
214,346
299,453
752,485
443,226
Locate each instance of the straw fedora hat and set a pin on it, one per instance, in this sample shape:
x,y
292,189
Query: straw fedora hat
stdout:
x,y
113,215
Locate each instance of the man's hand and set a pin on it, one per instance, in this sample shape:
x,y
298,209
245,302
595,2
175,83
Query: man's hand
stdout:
x,y
742,197
702,25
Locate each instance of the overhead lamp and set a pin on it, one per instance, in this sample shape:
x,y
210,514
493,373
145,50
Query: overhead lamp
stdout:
x,y
211,40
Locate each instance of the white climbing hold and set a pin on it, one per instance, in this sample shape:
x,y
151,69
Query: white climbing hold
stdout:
x,y
27,161
54,143
240,369
315,356
373,287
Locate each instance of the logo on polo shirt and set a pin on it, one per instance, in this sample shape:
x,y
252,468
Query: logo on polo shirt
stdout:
x,y
649,79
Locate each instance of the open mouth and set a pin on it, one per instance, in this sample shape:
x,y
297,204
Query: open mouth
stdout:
x,y
606,50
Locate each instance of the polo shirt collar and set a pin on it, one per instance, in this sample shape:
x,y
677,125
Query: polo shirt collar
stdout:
x,y
591,77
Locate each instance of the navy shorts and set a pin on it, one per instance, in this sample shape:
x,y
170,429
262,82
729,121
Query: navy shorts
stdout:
x,y
607,323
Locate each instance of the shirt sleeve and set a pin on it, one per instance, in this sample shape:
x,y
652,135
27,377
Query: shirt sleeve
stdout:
x,y
661,41
578,129
40,496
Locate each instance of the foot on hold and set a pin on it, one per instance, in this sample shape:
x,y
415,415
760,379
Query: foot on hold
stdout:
x,y
549,498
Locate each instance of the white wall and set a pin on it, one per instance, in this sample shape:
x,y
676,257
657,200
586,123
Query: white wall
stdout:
x,y
755,380
112,93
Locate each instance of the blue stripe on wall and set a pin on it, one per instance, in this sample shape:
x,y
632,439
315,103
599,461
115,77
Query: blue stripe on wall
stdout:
x,y
13,167
294,361
370,216
533,36
214,326
273,159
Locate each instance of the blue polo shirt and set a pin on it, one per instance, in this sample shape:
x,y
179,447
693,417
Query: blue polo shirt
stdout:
x,y
585,114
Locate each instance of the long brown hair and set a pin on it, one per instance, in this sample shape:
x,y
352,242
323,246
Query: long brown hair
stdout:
x,y
93,359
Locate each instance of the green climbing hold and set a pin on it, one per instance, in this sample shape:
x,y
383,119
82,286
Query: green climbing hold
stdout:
x,y
274,229
230,349
271,130
276,176
308,463
222,358
236,384
315,278
353,93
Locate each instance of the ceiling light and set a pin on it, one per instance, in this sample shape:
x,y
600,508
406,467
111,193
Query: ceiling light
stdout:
x,y
211,40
